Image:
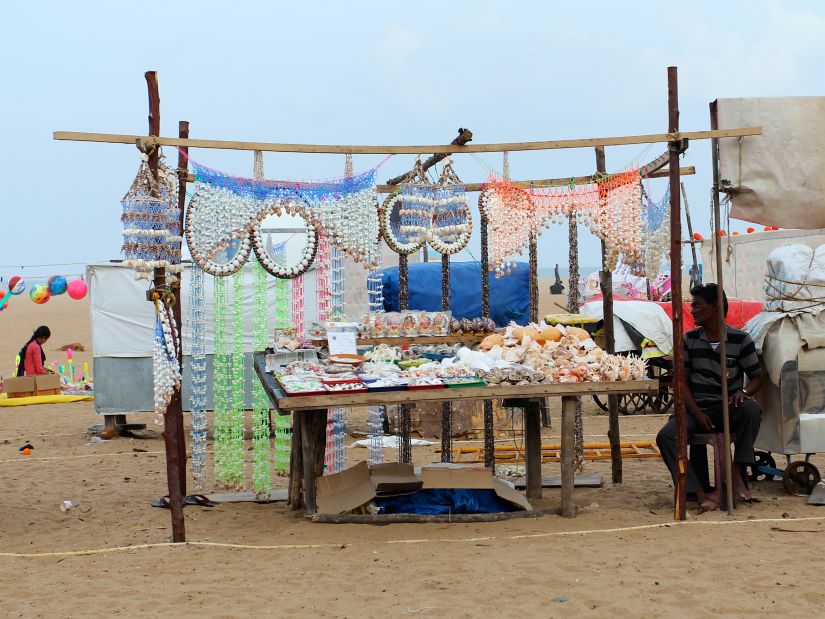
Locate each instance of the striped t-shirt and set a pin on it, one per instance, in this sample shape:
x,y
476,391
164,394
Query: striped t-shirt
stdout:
x,y
703,367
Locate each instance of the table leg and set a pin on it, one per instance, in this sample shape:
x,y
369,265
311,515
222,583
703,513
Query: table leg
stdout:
x,y
313,427
296,465
532,444
568,448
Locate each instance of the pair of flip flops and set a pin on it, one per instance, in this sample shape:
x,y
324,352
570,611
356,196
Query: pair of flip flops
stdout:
x,y
193,499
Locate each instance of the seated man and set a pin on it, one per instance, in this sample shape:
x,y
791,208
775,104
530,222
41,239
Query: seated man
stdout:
x,y
703,396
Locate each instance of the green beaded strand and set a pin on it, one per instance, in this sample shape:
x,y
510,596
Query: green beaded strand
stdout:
x,y
261,445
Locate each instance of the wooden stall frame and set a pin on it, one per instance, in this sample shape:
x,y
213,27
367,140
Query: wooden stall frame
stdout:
x,y
676,140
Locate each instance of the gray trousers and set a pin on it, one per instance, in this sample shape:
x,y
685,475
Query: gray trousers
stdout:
x,y
744,422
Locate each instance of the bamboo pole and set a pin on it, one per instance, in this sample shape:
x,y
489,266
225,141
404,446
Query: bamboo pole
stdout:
x,y
170,438
606,285
676,296
651,138
720,304
690,233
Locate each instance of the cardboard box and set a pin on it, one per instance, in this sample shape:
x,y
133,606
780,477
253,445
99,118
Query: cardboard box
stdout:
x,y
19,387
448,475
47,384
27,386
360,484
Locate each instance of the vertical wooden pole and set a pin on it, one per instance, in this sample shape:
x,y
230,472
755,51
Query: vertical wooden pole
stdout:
x,y
676,298
446,407
606,285
177,402
720,303
489,435
170,438
403,282
534,277
532,447
568,456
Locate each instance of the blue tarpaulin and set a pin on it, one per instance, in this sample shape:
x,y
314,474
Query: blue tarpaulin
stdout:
x,y
509,295
446,501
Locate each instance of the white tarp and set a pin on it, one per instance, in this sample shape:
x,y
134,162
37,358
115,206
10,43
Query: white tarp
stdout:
x,y
795,278
123,321
745,258
647,318
778,177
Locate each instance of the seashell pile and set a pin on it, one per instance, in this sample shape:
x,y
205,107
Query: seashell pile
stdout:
x,y
574,357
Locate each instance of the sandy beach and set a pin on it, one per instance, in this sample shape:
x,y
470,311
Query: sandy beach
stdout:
x,y
622,555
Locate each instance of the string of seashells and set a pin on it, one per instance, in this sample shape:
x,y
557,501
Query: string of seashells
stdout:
x,y
166,371
225,211
422,212
151,222
610,208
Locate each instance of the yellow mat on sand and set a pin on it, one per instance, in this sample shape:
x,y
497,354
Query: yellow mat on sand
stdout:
x,y
43,399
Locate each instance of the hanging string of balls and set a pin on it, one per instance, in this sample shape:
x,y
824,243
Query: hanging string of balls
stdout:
x,y
43,290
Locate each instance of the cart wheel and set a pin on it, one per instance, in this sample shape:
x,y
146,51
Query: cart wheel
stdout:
x,y
602,404
662,400
801,478
629,403
763,458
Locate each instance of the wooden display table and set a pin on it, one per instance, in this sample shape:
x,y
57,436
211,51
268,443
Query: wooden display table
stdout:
x,y
310,415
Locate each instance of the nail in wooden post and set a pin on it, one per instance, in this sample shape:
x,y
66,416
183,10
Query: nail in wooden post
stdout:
x,y
676,298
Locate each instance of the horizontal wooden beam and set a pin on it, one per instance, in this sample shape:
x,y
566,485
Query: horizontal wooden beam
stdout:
x,y
542,182
652,138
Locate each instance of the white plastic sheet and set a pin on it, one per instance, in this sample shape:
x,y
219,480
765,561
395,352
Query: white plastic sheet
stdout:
x,y
779,176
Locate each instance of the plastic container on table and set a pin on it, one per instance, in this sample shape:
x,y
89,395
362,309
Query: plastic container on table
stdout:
x,y
437,385
460,382
332,390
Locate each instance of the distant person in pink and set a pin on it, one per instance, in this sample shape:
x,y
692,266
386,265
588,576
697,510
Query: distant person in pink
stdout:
x,y
32,356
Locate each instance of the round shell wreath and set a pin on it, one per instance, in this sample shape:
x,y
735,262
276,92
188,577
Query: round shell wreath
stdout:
x,y
275,267
421,212
216,230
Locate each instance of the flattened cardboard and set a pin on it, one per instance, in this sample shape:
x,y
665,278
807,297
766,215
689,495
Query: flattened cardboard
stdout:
x,y
341,492
359,484
394,477
471,477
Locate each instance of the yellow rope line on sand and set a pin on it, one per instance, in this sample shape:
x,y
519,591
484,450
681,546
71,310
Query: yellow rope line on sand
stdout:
x,y
642,527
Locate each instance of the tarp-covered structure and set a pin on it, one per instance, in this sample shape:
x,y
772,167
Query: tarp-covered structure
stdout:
x,y
744,258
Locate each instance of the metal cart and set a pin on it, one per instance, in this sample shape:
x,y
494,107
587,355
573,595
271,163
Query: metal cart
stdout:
x,y
793,423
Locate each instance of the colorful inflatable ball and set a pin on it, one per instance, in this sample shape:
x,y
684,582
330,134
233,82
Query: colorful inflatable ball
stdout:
x,y
40,294
77,289
57,285
17,285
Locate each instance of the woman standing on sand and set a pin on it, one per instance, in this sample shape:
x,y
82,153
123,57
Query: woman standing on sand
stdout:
x,y
32,356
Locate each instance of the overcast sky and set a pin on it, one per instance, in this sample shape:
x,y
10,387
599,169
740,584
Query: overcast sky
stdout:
x,y
366,73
